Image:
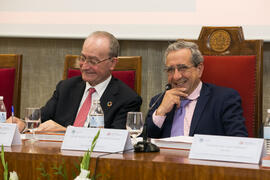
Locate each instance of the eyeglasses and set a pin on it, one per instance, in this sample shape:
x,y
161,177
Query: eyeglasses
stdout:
x,y
180,68
92,60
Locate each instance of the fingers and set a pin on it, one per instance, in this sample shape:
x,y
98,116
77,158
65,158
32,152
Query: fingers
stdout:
x,y
41,127
179,92
50,126
9,120
13,120
172,97
46,126
21,125
19,122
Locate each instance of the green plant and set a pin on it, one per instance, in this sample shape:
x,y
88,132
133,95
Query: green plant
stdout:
x,y
61,170
4,163
86,158
43,172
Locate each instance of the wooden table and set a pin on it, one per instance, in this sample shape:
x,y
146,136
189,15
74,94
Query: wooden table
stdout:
x,y
167,164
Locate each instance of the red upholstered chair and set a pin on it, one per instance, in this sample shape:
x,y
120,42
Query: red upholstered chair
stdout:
x,y
231,61
10,81
128,70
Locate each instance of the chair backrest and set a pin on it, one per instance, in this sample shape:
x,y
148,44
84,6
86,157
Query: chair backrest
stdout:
x,y
231,61
128,70
10,81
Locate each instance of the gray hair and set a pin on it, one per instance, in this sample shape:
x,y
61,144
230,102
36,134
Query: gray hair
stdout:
x,y
114,44
196,56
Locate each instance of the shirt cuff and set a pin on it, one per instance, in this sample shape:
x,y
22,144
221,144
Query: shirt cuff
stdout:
x,y
158,120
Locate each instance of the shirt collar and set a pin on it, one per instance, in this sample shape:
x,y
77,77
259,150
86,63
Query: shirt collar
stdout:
x,y
196,93
100,88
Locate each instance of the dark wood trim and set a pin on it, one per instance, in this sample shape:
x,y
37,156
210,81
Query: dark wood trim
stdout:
x,y
237,46
14,61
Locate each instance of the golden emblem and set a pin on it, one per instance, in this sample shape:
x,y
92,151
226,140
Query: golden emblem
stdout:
x,y
220,40
109,103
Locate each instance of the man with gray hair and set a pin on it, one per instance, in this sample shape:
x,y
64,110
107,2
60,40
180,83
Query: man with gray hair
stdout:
x,y
191,106
73,97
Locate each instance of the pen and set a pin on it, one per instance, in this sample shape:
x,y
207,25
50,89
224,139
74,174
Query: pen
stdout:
x,y
12,113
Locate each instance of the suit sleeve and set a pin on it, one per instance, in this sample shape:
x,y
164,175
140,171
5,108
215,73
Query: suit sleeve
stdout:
x,y
153,130
232,115
48,111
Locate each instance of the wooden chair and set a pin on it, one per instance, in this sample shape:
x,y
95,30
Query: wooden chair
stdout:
x,y
234,62
128,69
10,81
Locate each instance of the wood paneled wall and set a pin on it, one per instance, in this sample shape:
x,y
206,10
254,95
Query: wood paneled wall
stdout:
x,y
43,65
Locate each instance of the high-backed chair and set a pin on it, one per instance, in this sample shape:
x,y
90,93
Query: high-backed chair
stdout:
x,y
10,81
232,61
128,70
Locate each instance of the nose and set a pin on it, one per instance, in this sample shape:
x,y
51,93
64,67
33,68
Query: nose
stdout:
x,y
85,65
177,74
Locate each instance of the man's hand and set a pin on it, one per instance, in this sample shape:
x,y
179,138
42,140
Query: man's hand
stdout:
x,y
50,126
20,123
171,98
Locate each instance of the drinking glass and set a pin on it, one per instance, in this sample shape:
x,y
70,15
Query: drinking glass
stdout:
x,y
134,125
32,120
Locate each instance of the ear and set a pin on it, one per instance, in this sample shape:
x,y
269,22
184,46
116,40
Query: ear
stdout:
x,y
200,69
113,63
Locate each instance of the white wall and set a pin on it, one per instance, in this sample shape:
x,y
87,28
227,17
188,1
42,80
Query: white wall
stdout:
x,y
140,19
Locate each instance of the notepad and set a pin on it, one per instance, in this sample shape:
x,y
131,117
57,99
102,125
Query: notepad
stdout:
x,y
177,142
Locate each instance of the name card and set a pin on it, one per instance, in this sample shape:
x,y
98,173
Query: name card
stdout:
x,y
9,134
225,148
109,140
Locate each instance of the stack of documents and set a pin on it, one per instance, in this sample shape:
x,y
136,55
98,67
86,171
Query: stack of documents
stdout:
x,y
45,136
178,142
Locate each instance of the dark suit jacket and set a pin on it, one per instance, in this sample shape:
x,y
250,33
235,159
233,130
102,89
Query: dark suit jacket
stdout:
x,y
64,104
218,112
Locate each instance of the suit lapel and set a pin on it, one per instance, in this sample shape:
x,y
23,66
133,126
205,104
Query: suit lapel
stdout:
x,y
108,99
200,106
76,96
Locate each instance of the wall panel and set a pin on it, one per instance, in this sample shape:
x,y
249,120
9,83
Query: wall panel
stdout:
x,y
43,61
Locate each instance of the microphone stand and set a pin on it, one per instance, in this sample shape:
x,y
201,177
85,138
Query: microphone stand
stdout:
x,y
146,145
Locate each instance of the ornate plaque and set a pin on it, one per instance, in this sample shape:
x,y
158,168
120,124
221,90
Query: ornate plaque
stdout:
x,y
220,40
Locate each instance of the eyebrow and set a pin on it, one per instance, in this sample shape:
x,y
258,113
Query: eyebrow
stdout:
x,y
94,57
178,65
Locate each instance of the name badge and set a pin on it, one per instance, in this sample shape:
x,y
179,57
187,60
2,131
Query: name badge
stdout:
x,y
225,148
109,140
9,134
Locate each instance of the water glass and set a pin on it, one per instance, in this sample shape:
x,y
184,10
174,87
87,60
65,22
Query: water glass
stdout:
x,y
32,120
134,124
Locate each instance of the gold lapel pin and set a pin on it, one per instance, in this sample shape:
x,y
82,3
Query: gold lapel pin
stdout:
x,y
109,103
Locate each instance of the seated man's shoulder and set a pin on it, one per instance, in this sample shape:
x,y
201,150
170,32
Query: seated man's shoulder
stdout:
x,y
124,92
124,88
221,89
71,81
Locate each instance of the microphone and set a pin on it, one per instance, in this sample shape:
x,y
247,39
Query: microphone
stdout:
x,y
167,87
146,145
